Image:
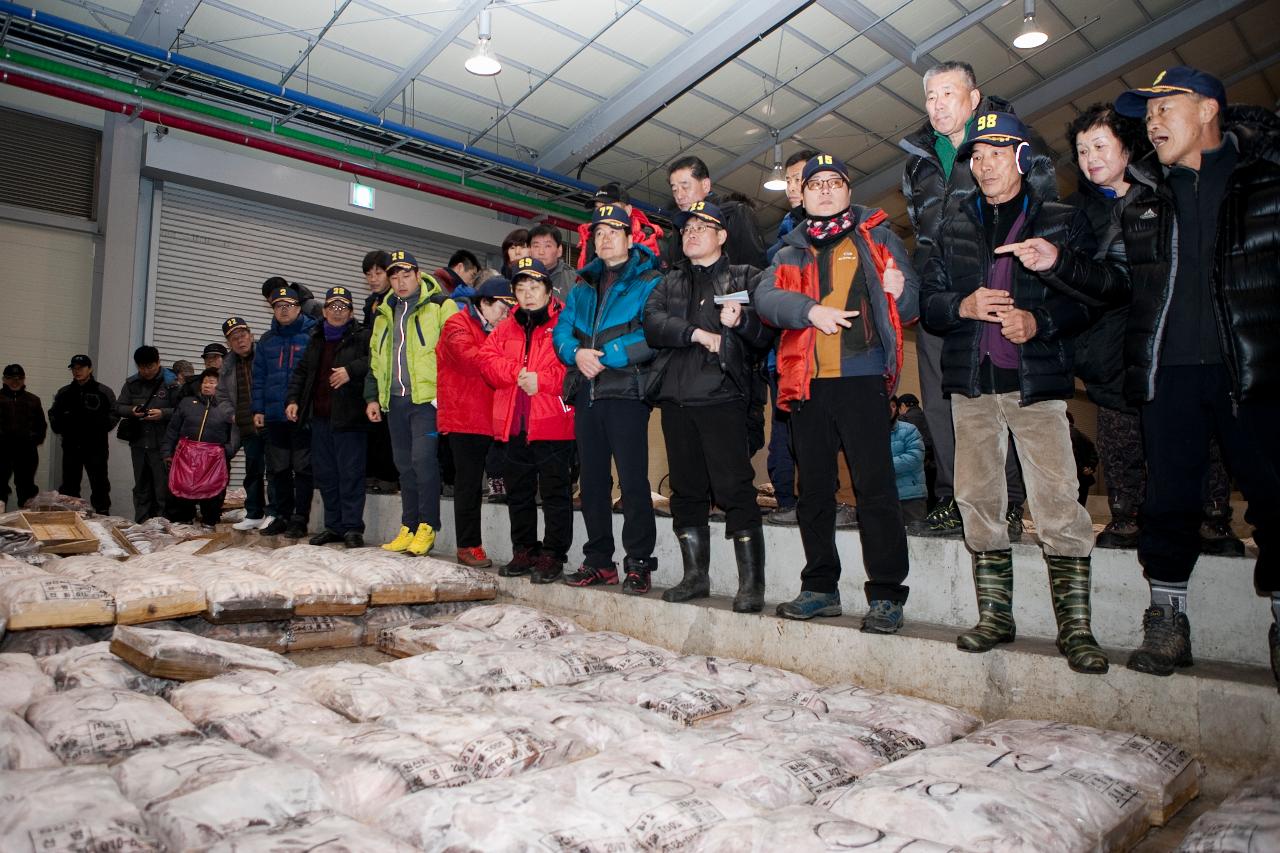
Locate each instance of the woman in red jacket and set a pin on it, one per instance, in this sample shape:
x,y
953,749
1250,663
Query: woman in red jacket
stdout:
x,y
519,361
465,408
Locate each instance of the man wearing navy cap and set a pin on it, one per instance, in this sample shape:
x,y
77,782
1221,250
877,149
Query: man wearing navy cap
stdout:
x,y
83,413
701,379
1000,289
22,431
1201,351
600,337
235,386
279,351
402,384
840,289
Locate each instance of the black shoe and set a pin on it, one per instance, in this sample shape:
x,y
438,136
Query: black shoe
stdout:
x,y
275,528
1273,640
547,568
521,564
637,581
353,540
944,520
1014,518
296,530
1216,537
324,537
1121,532
1166,643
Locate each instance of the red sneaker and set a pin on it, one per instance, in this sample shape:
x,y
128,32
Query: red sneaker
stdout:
x,y
587,576
474,557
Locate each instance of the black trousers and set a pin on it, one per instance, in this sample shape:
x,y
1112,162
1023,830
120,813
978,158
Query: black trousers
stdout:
x,y
184,510
338,468
708,454
534,468
19,460
381,464
87,455
289,467
1191,404
616,430
470,452
853,413
150,483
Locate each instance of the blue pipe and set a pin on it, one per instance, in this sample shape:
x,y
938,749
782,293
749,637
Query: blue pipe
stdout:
x,y
275,90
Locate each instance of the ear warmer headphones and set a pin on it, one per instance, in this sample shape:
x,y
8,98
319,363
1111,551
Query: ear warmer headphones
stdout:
x,y
1022,158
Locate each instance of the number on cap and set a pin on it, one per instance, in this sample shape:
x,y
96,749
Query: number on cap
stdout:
x,y
987,121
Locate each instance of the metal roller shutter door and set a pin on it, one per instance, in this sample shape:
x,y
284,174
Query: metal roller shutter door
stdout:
x,y
214,252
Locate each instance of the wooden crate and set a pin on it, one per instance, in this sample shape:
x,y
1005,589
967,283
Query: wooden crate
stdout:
x,y
59,532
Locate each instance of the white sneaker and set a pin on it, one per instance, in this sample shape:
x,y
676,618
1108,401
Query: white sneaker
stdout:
x,y
266,521
247,524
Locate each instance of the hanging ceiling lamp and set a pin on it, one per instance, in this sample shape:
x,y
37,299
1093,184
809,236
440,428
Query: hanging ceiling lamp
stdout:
x,y
482,62
777,180
1030,35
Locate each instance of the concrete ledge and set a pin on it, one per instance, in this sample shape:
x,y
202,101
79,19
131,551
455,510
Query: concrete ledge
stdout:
x,y
1228,716
1229,621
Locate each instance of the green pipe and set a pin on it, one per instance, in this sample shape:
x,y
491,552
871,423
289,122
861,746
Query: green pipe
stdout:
x,y
233,117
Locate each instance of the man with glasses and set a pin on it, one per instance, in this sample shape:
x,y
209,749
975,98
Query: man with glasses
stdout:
x,y
279,351
840,289
701,380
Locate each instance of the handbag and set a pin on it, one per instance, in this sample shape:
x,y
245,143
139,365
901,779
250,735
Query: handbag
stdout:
x,y
130,429
199,468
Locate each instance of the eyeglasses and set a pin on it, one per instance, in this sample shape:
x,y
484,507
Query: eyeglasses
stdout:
x,y
814,185
276,306
696,228
340,307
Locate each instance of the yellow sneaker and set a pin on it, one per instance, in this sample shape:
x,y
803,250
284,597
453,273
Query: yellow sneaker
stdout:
x,y
401,542
422,540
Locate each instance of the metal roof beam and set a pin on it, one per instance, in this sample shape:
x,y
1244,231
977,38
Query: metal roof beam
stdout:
x,y
302,57
691,61
467,13
1139,46
877,29
870,81
158,22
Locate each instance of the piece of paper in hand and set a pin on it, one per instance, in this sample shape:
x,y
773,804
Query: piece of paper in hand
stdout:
x,y
741,297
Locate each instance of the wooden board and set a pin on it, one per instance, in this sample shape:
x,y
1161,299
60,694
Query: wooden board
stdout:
x,y
186,657
320,608
158,609
59,532
123,541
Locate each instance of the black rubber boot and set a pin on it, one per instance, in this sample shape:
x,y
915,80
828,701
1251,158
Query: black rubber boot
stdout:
x,y
748,548
695,552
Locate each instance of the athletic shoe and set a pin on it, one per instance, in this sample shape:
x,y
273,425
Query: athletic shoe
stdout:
x,y
474,557
252,523
546,568
587,576
423,539
944,520
809,604
402,541
884,617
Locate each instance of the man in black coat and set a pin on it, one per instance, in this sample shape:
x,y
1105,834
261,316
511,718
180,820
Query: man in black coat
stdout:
x,y
145,404
326,391
933,172
1007,365
1202,357
84,413
701,379
22,431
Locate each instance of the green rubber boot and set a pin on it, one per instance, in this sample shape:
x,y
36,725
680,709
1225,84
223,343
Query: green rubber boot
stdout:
x,y
1069,585
993,578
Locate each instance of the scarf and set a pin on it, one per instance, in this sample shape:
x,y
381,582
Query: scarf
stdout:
x,y
822,230
335,333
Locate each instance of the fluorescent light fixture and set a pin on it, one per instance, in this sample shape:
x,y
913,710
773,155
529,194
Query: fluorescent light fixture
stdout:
x,y
482,62
777,181
1030,35
361,195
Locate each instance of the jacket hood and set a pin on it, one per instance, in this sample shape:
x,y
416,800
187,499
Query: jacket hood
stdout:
x,y
639,260
1040,182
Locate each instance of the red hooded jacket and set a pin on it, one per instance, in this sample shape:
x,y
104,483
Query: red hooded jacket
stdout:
x,y
464,399
643,232
500,360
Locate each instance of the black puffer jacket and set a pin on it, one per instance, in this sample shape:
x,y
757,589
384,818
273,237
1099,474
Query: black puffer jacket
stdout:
x,y
669,328
960,265
744,244
21,417
1099,354
1246,268
925,184
346,404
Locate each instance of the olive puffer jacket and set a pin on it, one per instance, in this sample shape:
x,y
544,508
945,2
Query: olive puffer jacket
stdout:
x,y
1246,263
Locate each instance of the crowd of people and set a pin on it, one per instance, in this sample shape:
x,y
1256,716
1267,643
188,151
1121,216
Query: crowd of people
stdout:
x,y
1157,284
